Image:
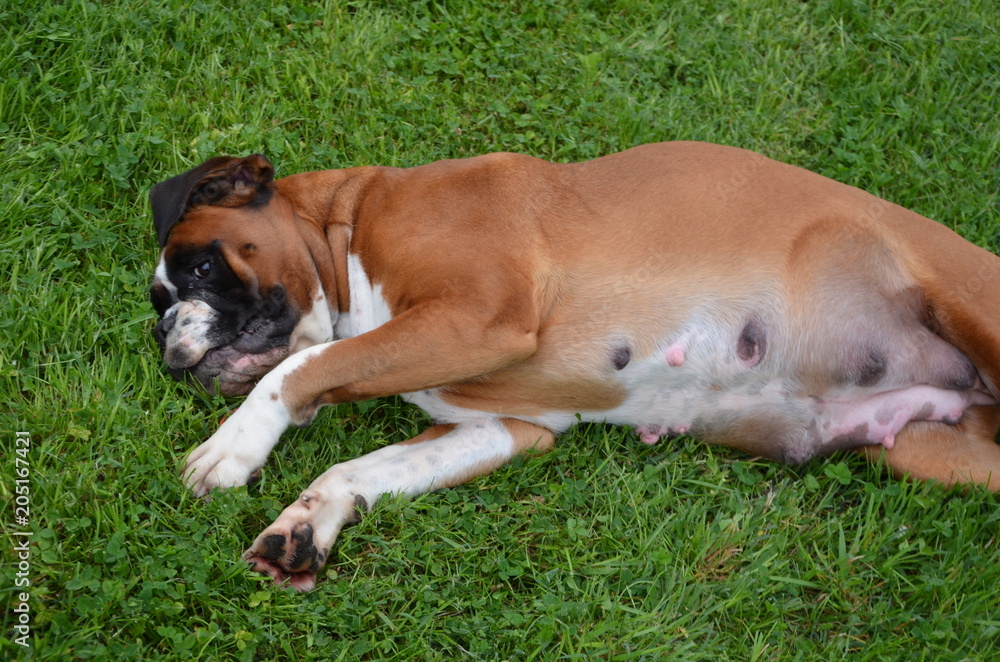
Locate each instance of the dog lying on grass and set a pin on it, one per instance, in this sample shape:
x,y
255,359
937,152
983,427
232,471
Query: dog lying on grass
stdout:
x,y
680,288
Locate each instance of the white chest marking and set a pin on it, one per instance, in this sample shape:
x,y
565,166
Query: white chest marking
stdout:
x,y
316,326
369,309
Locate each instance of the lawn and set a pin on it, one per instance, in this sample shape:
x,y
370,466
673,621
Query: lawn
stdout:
x,y
603,549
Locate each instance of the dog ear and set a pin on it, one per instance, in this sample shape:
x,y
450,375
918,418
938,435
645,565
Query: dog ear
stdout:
x,y
224,180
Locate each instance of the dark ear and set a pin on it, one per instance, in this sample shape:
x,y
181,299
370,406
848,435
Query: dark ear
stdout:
x,y
223,180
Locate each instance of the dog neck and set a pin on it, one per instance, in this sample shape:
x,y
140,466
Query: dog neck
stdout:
x,y
327,204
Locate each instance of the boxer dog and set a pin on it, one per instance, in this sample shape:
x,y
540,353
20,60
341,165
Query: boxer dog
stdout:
x,y
681,288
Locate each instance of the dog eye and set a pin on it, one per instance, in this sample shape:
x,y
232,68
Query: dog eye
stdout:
x,y
202,270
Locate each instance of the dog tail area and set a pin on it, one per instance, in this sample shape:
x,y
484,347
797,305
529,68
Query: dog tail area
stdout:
x,y
961,288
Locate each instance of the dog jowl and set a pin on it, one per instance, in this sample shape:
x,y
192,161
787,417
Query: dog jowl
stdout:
x,y
678,288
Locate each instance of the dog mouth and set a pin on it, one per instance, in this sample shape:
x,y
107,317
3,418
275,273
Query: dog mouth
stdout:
x,y
227,347
228,370
225,362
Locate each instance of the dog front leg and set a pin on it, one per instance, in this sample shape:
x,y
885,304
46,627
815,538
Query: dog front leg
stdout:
x,y
411,353
297,544
242,443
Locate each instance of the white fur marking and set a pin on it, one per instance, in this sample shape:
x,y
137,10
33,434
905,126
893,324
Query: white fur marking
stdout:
x,y
161,275
369,309
441,411
315,327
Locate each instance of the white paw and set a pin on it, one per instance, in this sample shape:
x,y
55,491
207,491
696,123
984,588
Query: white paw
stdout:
x,y
238,448
218,464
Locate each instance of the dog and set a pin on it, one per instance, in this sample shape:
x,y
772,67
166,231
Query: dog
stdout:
x,y
681,288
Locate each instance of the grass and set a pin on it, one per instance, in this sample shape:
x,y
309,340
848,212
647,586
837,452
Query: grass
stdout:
x,y
603,549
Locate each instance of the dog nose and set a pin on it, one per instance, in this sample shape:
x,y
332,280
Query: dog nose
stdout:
x,y
189,335
163,327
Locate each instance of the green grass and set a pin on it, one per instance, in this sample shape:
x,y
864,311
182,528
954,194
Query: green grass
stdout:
x,y
605,548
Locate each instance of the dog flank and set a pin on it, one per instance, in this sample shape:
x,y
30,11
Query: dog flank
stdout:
x,y
788,316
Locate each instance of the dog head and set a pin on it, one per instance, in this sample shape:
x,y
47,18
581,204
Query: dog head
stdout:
x,y
236,288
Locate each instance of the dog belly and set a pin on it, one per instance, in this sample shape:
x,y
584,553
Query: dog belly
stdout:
x,y
761,413
773,420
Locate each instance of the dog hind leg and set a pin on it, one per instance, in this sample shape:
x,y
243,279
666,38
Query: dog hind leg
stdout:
x,y
961,286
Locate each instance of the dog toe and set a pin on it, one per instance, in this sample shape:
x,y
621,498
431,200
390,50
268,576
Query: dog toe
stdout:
x,y
299,581
288,555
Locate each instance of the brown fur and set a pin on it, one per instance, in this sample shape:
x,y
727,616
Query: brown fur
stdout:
x,y
507,276
785,216
813,317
